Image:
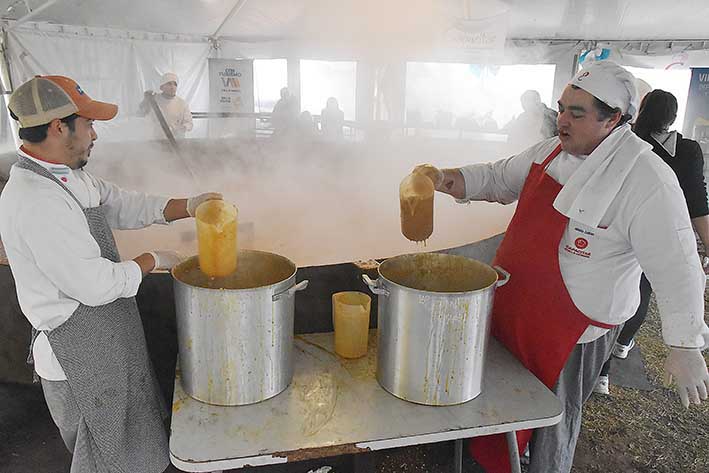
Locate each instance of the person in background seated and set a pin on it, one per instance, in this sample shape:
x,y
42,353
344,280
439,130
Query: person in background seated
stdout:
x,y
284,117
332,119
307,129
537,122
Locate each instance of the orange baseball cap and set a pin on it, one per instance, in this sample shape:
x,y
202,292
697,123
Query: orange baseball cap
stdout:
x,y
45,98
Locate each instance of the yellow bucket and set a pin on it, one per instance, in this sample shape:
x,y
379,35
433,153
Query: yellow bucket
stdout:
x,y
216,237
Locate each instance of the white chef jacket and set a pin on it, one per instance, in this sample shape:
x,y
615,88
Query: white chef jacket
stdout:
x,y
646,226
54,259
176,112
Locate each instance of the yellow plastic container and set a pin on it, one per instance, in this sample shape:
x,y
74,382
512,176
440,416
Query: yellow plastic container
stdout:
x,y
350,316
216,237
416,205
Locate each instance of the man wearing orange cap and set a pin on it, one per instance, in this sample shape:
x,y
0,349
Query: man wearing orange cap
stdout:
x,y
175,110
88,344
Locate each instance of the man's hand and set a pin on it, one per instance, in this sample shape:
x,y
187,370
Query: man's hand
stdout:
x,y
448,181
166,259
689,371
194,202
431,172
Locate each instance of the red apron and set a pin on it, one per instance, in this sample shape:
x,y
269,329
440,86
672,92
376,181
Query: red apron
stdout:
x,y
533,314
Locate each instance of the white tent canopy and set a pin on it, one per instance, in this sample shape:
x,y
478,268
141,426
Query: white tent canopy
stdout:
x,y
118,49
284,19
356,29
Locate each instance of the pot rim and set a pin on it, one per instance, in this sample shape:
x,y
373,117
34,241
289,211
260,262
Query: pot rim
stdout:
x,y
436,293
250,289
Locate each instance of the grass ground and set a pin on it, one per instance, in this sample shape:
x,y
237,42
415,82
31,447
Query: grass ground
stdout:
x,y
641,431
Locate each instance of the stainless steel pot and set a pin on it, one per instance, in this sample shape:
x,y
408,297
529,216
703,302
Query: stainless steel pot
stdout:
x,y
434,324
235,334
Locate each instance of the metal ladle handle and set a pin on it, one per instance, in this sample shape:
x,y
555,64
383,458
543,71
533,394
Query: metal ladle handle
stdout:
x,y
290,292
505,276
375,286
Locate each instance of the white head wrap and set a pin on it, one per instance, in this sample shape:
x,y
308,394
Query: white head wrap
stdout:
x,y
168,77
609,83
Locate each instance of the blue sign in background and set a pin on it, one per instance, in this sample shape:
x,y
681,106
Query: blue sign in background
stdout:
x,y
696,118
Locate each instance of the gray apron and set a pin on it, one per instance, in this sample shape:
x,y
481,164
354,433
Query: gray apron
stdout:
x,y
104,355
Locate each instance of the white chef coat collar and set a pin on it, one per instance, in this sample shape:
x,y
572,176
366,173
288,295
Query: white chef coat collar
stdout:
x,y
59,170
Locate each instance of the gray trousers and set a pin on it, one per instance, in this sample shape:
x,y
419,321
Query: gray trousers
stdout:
x,y
75,434
552,448
77,438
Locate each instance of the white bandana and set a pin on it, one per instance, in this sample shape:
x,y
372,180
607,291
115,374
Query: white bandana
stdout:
x,y
168,77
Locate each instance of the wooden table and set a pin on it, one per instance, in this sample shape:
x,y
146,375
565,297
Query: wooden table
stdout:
x,y
335,406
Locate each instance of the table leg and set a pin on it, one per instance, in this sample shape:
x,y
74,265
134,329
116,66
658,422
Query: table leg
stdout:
x,y
516,467
458,457
363,462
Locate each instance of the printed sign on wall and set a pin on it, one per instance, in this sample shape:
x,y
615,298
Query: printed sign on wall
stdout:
x,y
696,118
478,34
231,85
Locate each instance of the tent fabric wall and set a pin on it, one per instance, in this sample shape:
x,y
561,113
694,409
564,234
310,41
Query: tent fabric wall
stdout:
x,y
112,69
654,54
119,65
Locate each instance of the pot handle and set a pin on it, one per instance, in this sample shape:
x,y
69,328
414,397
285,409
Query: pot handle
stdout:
x,y
505,276
290,292
375,286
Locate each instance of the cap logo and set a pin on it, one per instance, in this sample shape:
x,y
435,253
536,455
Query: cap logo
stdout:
x,y
585,74
78,89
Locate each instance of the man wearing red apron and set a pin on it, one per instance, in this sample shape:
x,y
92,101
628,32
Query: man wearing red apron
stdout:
x,y
594,205
56,224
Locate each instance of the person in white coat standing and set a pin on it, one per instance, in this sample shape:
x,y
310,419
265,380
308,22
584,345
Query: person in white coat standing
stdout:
x,y
594,206
88,345
175,110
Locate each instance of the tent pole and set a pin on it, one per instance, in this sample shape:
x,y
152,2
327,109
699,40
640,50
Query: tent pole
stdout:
x,y
5,76
575,64
7,88
234,11
33,13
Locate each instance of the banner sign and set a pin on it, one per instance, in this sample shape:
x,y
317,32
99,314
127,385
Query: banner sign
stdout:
x,y
696,118
231,85
468,35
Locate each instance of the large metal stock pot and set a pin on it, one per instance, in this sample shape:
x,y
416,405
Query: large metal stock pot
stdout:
x,y
235,334
434,324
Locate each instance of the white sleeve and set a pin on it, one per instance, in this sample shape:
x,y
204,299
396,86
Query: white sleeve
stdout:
x,y
663,241
62,247
129,210
500,181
